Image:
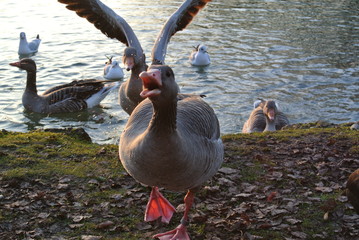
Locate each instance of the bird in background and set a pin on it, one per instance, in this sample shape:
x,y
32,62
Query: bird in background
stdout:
x,y
112,70
200,56
28,48
70,97
265,117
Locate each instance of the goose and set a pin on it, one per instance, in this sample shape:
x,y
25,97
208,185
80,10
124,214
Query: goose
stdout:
x,y
170,141
28,48
352,190
265,117
199,56
112,70
114,26
71,97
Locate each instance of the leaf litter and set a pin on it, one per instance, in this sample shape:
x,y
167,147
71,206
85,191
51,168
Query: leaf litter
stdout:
x,y
271,186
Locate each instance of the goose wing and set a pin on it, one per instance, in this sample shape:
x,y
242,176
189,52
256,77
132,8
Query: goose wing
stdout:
x,y
281,121
70,104
78,83
106,20
176,22
256,121
82,89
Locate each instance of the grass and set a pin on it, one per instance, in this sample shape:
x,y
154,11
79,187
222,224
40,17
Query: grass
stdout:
x,y
44,154
47,157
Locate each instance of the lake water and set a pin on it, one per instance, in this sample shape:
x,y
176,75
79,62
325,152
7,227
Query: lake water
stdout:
x,y
304,54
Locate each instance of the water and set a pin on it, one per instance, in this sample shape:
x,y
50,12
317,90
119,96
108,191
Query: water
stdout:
x,y
304,54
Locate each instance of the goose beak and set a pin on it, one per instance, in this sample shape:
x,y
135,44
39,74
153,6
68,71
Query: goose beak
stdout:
x,y
151,83
271,114
129,63
15,64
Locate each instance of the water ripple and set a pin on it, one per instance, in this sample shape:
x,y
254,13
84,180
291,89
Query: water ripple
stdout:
x,y
304,54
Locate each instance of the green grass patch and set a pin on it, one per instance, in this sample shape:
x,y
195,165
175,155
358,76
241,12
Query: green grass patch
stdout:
x,y
46,154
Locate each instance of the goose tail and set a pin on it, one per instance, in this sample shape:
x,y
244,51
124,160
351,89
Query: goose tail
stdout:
x,y
96,98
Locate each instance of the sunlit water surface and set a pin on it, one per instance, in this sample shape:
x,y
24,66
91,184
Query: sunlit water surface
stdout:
x,y
304,54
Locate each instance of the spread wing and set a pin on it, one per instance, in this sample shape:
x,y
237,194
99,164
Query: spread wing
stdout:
x,y
106,20
177,22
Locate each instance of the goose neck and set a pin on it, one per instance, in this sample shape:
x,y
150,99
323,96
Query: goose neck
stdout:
x,y
164,118
270,125
31,81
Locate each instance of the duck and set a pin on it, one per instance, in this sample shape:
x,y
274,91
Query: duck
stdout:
x,y
28,48
134,59
70,97
352,189
265,117
200,56
170,141
112,70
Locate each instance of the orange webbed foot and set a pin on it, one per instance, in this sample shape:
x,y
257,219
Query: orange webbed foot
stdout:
x,y
179,233
158,206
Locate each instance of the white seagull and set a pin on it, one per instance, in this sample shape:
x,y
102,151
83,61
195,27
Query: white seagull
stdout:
x,y
28,48
199,56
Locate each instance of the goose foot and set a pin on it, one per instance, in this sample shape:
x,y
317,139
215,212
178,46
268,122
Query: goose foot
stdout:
x,y
158,206
179,233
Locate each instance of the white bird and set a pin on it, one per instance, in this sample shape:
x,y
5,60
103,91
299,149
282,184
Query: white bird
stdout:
x,y
199,56
28,48
112,70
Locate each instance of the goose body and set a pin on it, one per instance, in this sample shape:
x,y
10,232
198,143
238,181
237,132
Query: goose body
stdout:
x,y
353,189
114,26
112,70
28,48
71,97
199,56
265,117
170,140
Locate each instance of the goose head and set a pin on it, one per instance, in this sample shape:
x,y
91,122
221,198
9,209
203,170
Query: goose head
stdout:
x,y
270,110
129,58
159,84
26,64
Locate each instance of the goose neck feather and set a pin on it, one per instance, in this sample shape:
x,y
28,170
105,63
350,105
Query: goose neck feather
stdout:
x,y
270,125
164,118
31,82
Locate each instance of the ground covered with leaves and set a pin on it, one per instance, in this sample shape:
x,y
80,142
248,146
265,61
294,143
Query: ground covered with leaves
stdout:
x,y
283,185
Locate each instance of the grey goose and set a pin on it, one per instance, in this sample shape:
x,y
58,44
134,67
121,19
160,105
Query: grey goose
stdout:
x,y
70,97
170,141
265,117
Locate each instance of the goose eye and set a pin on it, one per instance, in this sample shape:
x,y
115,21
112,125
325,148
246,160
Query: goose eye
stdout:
x,y
168,74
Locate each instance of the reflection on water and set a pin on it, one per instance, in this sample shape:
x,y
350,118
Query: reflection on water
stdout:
x,y
304,54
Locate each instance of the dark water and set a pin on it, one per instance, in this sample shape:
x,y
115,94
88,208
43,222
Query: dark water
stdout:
x,y
303,54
